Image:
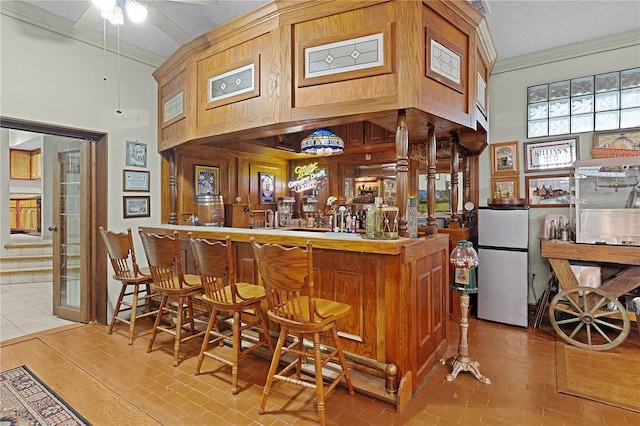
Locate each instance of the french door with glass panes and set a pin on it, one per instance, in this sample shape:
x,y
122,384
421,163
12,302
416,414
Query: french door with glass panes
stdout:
x,y
71,228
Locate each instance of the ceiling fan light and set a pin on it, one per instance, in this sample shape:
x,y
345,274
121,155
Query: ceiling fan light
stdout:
x,y
114,15
136,11
105,5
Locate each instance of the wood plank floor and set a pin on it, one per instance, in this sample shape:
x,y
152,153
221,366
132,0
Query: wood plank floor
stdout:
x,y
110,382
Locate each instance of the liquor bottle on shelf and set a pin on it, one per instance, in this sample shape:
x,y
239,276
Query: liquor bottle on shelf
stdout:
x,y
371,221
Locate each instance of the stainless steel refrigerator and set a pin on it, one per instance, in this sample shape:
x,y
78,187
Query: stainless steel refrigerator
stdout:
x,y
503,269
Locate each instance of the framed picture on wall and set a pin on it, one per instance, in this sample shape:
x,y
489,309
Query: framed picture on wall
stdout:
x,y
506,187
504,159
548,190
136,154
207,180
267,187
550,154
618,139
134,180
136,206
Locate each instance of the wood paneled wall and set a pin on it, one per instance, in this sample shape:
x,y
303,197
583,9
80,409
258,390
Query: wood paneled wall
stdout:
x,y
238,176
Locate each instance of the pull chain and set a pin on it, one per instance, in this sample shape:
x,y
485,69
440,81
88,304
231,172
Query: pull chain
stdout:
x,y
119,111
104,46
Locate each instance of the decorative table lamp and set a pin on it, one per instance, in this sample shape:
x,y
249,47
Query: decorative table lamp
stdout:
x,y
465,260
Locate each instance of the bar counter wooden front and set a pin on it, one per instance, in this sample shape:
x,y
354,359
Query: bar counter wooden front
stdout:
x,y
398,291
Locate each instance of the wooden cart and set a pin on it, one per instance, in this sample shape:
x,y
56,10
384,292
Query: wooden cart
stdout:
x,y
579,314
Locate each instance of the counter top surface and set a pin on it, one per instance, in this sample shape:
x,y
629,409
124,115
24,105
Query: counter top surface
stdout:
x,y
321,240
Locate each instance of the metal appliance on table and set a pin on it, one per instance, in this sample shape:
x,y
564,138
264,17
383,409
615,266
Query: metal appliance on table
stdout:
x,y
309,206
503,240
285,211
607,201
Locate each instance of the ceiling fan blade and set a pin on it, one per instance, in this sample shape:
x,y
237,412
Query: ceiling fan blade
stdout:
x,y
167,26
89,20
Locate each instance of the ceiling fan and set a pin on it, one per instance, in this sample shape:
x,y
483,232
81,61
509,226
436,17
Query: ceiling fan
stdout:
x,y
136,11
101,11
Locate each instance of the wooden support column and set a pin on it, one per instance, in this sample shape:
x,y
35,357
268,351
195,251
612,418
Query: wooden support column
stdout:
x,y
455,167
431,228
173,188
466,179
402,171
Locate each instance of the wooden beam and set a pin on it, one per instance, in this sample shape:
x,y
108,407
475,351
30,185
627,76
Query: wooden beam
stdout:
x,y
402,171
431,228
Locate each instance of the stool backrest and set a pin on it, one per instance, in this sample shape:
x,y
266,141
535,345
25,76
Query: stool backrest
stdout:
x,y
214,260
163,256
287,274
121,253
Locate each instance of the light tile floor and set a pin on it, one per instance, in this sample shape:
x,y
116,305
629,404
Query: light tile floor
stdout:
x,y
27,308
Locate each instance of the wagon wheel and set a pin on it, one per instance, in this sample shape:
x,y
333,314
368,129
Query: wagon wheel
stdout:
x,y
580,317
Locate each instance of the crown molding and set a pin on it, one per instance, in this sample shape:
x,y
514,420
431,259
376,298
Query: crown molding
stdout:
x,y
570,51
38,17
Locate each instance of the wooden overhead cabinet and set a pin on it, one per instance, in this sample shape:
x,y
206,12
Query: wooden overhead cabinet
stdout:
x,y
25,164
294,66
20,164
36,164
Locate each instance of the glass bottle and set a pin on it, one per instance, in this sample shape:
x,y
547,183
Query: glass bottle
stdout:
x,y
553,230
565,233
371,221
378,217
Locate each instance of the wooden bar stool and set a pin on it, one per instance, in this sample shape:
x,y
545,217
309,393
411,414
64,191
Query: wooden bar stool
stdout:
x,y
135,280
217,274
165,264
287,275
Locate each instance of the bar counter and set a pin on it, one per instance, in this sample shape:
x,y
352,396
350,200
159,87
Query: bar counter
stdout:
x,y
398,290
293,237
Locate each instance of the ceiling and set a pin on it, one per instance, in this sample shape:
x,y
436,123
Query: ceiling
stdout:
x,y
519,28
525,32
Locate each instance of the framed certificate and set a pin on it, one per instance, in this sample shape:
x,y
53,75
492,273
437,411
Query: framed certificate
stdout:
x,y
133,180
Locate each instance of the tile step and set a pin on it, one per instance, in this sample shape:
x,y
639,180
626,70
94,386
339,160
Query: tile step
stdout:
x,y
22,271
19,258
11,246
26,276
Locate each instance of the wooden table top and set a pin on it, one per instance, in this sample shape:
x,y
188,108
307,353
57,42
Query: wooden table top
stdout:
x,y
626,255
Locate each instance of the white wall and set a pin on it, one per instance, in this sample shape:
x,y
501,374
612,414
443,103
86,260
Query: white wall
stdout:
x,y
48,78
4,185
508,122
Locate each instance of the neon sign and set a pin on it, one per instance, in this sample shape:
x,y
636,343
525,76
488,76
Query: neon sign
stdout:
x,y
308,176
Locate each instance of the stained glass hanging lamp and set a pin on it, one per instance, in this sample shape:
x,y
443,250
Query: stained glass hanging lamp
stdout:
x,y
322,142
